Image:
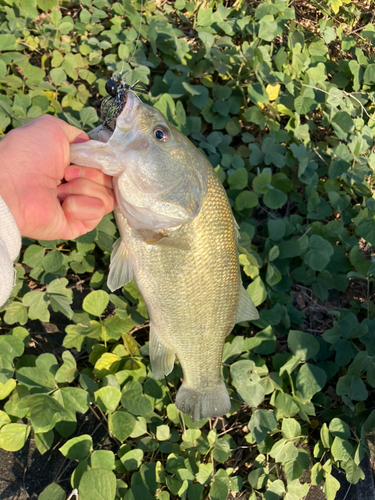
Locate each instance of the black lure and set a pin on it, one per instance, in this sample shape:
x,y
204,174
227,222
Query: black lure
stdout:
x,y
114,103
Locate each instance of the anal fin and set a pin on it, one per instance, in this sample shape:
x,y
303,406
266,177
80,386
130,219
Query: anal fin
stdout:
x,y
161,356
120,269
246,310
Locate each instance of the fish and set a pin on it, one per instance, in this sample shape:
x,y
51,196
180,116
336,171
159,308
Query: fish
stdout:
x,y
179,241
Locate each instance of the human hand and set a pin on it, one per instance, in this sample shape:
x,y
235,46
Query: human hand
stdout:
x,y
34,159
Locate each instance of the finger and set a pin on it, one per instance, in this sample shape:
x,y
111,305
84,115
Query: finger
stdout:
x,y
93,174
82,214
54,125
88,189
57,136
83,208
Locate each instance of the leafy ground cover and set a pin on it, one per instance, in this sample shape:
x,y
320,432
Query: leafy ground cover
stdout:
x,y
280,97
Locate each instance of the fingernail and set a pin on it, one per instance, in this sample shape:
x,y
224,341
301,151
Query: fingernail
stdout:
x,y
81,138
72,173
61,191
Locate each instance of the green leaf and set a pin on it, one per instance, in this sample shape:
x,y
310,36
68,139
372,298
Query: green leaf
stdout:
x,y
132,459
368,77
41,377
44,411
284,451
339,428
204,474
52,261
95,302
344,121
367,231
246,200
258,478
274,199
220,487
8,42
194,492
121,424
276,229
261,182
285,405
275,490
38,305
290,428
77,448
15,313
88,116
310,380
257,291
163,433
52,492
108,398
268,28
102,459
7,388
33,256
293,470
11,347
262,422
133,400
353,471
341,449
331,487
44,441
238,179
97,483
13,436
221,450
317,474
241,370
319,253
73,399
303,104
354,388
303,345
58,76
68,370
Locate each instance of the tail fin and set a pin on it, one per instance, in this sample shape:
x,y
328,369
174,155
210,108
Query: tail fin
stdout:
x,y
205,403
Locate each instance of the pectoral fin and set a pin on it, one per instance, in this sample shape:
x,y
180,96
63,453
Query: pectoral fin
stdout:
x,y
246,309
161,356
120,269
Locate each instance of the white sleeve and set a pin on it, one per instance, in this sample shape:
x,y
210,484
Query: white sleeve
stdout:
x,y
10,245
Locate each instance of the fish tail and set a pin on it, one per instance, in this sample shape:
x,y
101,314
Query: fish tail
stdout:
x,y
203,403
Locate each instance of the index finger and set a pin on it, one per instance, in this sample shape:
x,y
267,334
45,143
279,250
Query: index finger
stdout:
x,y
56,133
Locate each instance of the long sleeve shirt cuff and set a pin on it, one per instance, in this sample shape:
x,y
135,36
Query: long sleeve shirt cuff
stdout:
x,y
10,245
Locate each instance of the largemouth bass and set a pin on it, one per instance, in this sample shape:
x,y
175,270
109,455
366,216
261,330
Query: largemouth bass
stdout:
x,y
179,242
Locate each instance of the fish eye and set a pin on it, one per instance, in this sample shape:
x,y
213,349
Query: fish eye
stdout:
x,y
161,134
111,87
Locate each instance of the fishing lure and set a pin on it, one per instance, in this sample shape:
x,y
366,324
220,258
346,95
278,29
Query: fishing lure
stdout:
x,y
114,103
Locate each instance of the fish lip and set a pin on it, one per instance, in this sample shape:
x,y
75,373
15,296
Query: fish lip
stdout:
x,y
129,114
132,102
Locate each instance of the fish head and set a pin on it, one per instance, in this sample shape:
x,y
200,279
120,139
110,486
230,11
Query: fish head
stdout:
x,y
159,177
